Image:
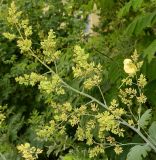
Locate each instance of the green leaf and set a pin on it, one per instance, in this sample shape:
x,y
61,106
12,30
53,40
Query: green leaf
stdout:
x,y
145,118
150,51
140,23
136,4
152,131
130,29
143,22
124,10
138,152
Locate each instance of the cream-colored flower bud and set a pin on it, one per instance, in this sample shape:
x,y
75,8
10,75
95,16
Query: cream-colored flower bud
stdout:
x,y
129,66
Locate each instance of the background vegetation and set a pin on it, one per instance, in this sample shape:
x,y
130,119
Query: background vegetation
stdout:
x,y
123,26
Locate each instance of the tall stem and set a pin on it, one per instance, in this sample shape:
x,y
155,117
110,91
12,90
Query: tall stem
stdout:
x,y
140,134
102,94
85,94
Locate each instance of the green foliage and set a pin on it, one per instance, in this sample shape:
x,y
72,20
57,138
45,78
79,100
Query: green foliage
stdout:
x,y
139,18
138,152
150,51
135,4
73,100
140,23
105,5
145,119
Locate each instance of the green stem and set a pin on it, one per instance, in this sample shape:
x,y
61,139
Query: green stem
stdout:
x,y
123,82
85,94
55,67
140,106
140,134
88,102
3,158
127,144
132,113
123,144
149,137
32,54
68,86
18,29
64,83
102,95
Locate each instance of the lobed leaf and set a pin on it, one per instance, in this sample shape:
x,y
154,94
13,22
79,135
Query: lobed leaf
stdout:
x,y
138,152
145,118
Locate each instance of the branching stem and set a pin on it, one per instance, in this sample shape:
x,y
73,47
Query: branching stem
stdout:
x,y
90,97
140,134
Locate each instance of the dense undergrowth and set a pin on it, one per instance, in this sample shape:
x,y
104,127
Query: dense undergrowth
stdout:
x,y
71,92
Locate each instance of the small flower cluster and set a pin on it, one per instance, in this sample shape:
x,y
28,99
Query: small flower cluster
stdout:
x,y
46,85
28,152
24,45
107,122
90,71
118,149
93,152
86,133
80,134
31,79
9,36
115,110
13,14
53,85
76,115
45,8
61,111
141,81
49,48
25,31
94,107
45,132
141,98
127,81
128,94
90,126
